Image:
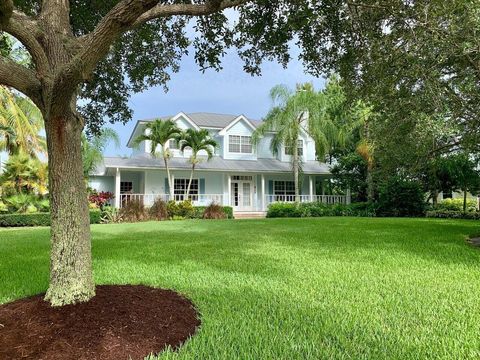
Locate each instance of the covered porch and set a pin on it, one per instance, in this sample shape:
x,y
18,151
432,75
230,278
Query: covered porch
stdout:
x,y
244,192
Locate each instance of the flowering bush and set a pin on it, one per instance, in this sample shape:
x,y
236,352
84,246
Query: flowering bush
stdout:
x,y
100,198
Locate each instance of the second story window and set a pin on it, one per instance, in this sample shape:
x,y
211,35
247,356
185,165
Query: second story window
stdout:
x,y
240,144
173,144
289,150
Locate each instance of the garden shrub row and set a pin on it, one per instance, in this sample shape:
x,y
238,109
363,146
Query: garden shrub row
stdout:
x,y
452,214
37,219
314,209
199,211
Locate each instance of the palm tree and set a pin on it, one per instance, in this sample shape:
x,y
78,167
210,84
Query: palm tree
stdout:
x,y
20,124
294,112
159,132
197,141
358,134
24,174
93,148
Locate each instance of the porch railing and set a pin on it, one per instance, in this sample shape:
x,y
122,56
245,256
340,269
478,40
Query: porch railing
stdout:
x,y
149,199
325,199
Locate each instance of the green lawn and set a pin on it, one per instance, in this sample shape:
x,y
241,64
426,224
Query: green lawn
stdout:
x,y
347,288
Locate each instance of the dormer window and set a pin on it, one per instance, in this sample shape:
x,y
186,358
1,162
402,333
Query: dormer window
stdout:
x,y
289,149
240,144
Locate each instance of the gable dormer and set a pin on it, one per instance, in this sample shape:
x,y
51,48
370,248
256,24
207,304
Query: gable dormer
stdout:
x,y
237,139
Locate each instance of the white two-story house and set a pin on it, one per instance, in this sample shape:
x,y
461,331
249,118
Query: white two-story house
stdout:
x,y
240,175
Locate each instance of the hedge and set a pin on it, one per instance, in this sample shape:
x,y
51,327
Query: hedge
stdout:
x,y
316,209
199,210
37,219
449,214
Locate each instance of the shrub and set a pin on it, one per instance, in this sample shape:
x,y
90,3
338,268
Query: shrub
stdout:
x,y
185,209
277,210
214,211
198,212
317,209
110,215
37,219
449,214
456,205
159,210
401,197
133,210
172,208
100,198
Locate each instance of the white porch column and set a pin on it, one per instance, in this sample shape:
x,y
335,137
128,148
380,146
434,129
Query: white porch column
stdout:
x,y
172,190
117,188
310,185
229,195
349,196
263,193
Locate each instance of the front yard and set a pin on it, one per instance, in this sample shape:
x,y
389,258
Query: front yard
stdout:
x,y
318,288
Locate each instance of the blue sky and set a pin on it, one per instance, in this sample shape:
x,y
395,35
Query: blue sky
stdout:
x,y
230,91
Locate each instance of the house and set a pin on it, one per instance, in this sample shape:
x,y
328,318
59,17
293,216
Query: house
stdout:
x,y
240,175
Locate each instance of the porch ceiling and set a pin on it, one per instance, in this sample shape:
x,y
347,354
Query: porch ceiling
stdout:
x,y
215,164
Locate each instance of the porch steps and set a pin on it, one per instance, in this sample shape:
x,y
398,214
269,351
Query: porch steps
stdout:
x,y
249,214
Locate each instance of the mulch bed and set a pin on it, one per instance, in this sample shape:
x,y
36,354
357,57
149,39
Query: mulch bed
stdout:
x,y
121,321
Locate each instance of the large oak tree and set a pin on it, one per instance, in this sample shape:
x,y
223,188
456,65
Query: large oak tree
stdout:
x,y
99,52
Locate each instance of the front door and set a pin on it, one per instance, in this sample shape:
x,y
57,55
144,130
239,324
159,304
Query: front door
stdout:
x,y
242,195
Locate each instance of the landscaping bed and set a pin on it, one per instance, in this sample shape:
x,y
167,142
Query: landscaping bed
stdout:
x,y
120,322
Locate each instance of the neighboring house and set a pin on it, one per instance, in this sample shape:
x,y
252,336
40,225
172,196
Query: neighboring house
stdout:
x,y
239,175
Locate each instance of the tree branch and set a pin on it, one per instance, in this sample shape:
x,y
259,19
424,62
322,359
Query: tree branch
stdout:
x,y
123,17
209,7
27,32
20,78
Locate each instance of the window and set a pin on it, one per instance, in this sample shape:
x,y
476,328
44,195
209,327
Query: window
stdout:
x,y
126,187
173,144
180,188
284,190
289,150
242,178
240,144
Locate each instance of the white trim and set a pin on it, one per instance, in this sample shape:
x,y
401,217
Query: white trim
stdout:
x,y
213,170
190,121
234,121
117,188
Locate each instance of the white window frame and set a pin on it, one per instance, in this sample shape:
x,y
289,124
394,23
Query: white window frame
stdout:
x,y
289,151
180,188
124,185
173,144
286,192
240,144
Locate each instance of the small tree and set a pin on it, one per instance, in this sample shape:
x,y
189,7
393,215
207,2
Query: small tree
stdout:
x,y
465,174
159,132
197,141
295,112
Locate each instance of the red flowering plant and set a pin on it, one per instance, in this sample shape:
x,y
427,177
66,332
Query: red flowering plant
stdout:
x,y
101,198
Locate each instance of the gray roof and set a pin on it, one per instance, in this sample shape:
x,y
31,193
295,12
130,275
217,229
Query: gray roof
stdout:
x,y
202,119
217,163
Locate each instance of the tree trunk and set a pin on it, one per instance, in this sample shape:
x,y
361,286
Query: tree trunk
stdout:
x,y
71,277
464,200
370,187
190,181
170,185
295,173
435,197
